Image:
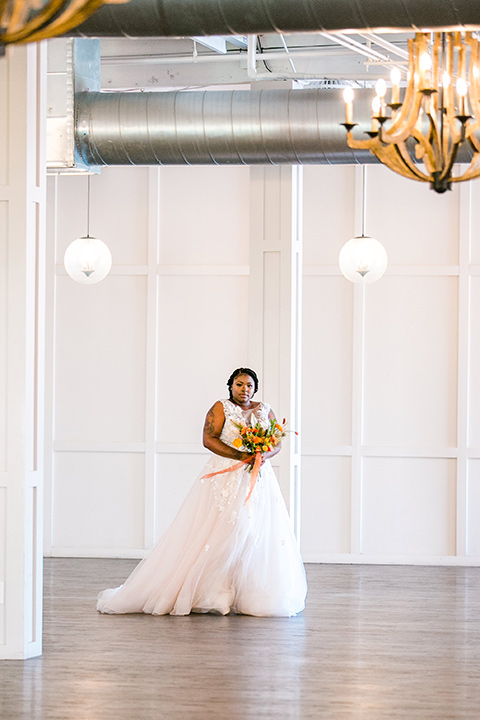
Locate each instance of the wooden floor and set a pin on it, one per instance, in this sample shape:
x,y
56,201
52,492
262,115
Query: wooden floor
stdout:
x,y
375,642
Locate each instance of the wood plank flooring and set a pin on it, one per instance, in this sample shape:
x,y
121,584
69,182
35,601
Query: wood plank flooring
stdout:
x,y
375,642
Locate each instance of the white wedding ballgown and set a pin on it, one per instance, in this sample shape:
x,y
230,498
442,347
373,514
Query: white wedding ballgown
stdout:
x,y
221,554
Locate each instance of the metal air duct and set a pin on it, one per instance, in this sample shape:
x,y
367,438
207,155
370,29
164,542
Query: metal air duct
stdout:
x,y
236,127
216,127
171,18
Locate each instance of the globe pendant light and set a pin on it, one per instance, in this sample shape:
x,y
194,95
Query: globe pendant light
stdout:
x,y
87,260
363,259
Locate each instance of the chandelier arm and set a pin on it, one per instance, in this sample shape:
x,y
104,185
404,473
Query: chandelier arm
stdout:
x,y
474,78
403,126
434,138
462,61
68,14
398,159
450,161
449,97
444,92
429,156
472,138
434,98
455,133
411,102
410,169
471,172
67,21
16,22
360,144
13,16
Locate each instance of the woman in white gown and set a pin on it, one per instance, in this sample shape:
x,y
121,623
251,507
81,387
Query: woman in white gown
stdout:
x,y
222,554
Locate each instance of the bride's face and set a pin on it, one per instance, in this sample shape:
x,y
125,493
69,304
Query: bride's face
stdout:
x,y
243,389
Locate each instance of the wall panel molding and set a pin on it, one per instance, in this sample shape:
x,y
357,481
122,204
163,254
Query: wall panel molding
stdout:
x,y
449,238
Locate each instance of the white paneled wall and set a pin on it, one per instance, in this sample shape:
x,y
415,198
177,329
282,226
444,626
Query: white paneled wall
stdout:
x,y
392,387
391,379
22,331
139,358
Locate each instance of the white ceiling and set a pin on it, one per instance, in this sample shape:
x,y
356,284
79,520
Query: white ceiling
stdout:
x,y
319,59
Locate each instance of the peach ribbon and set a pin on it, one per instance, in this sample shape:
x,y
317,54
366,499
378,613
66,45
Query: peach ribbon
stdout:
x,y
237,466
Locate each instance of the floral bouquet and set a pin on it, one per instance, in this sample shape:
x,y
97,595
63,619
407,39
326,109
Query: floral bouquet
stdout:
x,y
255,439
258,439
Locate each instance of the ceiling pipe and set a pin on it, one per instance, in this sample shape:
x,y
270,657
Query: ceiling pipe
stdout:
x,y
171,18
237,127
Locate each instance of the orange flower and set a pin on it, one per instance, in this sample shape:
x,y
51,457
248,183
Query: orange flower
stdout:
x,y
237,443
279,427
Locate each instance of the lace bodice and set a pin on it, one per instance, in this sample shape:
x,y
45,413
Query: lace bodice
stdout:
x,y
235,414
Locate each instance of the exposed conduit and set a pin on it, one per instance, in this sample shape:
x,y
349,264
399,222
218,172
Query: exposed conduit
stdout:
x,y
174,18
236,127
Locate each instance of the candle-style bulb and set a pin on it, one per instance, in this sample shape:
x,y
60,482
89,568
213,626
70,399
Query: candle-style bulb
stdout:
x,y
348,97
395,76
462,87
381,87
425,62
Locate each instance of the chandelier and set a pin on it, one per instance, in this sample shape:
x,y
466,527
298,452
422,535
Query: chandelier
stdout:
x,y
33,20
419,136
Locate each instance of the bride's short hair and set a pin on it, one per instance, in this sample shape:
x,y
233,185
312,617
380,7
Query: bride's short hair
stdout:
x,y
242,371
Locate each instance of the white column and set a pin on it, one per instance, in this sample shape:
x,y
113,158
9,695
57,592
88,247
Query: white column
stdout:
x,y
275,308
22,312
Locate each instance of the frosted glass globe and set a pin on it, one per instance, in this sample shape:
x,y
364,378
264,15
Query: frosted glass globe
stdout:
x,y
87,260
363,260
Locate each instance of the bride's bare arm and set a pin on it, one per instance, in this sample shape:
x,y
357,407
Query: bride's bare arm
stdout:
x,y
212,431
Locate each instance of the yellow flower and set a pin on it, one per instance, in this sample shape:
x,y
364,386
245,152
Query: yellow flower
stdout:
x,y
237,443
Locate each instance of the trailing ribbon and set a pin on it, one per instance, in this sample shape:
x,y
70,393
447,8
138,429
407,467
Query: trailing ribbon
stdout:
x,y
254,475
237,466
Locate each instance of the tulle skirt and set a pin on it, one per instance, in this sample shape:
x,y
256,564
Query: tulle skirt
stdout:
x,y
221,554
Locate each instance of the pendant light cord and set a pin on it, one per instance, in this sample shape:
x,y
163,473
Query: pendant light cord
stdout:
x,y
364,197
88,206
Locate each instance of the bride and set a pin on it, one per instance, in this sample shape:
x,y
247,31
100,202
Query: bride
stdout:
x,y
222,554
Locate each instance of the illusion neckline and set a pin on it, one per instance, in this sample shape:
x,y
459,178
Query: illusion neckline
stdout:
x,y
248,410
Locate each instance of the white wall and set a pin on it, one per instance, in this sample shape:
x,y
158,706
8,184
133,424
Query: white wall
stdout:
x,y
22,318
391,441
391,385
139,358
